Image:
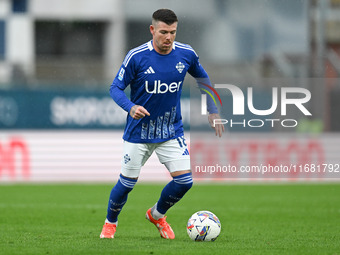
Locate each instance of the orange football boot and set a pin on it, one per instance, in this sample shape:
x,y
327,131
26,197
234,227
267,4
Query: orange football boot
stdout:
x,y
163,227
108,231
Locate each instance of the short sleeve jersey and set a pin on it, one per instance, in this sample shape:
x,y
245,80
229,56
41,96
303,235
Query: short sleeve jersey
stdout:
x,y
156,82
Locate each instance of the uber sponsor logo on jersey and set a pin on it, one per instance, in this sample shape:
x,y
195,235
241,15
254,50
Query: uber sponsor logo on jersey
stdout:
x,y
159,87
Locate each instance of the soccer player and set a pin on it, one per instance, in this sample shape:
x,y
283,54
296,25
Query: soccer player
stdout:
x,y
155,72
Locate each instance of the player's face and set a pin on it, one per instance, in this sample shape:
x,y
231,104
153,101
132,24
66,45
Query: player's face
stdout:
x,y
163,36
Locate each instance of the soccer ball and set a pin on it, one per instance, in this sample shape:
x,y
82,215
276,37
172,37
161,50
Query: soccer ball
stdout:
x,y
203,226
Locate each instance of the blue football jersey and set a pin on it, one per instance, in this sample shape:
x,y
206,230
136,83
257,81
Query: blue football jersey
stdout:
x,y
156,82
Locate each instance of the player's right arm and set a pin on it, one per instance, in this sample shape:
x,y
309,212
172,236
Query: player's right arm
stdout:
x,y
137,112
122,80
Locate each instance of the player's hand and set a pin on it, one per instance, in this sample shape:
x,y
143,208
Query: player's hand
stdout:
x,y
137,112
219,128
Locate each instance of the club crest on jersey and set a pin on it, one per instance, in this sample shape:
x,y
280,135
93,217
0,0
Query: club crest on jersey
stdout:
x,y
180,67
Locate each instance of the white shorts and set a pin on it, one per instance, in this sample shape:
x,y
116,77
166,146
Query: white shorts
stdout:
x,y
173,154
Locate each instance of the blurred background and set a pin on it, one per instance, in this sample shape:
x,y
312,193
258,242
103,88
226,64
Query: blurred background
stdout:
x,y
59,57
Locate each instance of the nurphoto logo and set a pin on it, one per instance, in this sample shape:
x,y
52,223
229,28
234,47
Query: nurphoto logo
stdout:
x,y
238,97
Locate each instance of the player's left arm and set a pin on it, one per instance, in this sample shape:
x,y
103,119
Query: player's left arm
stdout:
x,y
211,107
219,128
202,79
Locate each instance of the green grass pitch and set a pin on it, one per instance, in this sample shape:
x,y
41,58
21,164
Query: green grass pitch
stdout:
x,y
256,219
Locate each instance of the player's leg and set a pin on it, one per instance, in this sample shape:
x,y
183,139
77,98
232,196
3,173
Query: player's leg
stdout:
x,y
118,198
175,156
173,192
135,155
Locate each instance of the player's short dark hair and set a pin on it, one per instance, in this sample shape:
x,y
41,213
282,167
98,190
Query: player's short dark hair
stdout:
x,y
165,15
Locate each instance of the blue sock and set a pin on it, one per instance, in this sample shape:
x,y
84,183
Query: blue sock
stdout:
x,y
118,197
174,191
